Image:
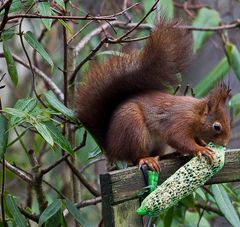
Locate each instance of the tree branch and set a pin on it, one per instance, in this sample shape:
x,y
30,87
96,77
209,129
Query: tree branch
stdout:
x,y
82,179
27,177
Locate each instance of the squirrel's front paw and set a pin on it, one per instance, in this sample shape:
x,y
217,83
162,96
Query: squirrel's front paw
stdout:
x,y
151,162
206,151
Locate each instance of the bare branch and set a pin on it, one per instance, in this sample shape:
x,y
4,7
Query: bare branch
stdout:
x,y
82,179
27,177
232,25
5,16
87,17
85,203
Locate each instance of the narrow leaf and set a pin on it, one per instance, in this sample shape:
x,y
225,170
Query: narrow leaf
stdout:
x,y
205,18
15,112
65,25
55,220
3,135
11,66
58,138
168,218
60,3
225,205
16,214
25,105
59,106
44,132
44,9
75,213
33,42
215,75
18,5
234,101
8,34
234,57
51,210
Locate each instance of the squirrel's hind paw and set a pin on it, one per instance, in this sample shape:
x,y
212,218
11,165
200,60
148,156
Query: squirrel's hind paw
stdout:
x,y
151,162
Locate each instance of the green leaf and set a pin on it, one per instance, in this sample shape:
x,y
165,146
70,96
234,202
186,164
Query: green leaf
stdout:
x,y
25,105
33,42
55,220
44,132
59,106
11,66
15,112
205,18
16,214
225,205
96,152
51,210
60,3
65,25
58,138
75,213
3,135
8,34
166,10
44,9
233,57
168,218
215,75
18,5
234,101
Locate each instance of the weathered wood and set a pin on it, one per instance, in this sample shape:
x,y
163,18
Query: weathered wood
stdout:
x,y
125,214
125,184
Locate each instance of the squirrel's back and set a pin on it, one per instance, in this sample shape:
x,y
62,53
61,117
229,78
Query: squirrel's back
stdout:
x,y
165,54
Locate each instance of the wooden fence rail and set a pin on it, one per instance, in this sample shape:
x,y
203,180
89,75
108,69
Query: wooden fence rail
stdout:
x,y
120,188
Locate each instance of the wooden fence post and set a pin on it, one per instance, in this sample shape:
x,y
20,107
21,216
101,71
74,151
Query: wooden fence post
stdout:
x,y
120,188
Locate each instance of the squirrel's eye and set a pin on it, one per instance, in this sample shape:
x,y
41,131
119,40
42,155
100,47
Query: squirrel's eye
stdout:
x,y
217,126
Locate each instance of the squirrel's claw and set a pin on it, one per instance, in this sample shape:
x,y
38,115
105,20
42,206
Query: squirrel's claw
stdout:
x,y
151,162
208,153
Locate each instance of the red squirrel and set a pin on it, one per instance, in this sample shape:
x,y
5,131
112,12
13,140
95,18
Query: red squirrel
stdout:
x,y
124,104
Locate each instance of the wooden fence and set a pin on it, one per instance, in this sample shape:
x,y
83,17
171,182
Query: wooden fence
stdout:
x,y
120,188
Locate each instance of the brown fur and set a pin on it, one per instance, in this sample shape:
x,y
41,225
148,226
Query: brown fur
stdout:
x,y
123,103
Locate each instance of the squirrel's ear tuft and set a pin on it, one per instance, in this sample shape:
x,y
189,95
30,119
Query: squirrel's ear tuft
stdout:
x,y
218,96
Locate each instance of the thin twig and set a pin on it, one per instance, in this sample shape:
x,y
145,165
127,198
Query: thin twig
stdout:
x,y
82,179
33,217
78,32
217,28
83,143
27,177
125,35
90,55
4,5
85,203
104,26
55,189
5,16
41,74
208,208
91,163
87,17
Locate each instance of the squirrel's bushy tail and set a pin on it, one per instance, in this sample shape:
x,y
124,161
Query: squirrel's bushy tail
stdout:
x,y
166,53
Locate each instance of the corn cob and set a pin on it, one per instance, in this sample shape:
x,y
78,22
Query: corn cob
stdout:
x,y
182,183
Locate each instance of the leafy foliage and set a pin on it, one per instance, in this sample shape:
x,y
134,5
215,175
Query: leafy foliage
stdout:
x,y
40,130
